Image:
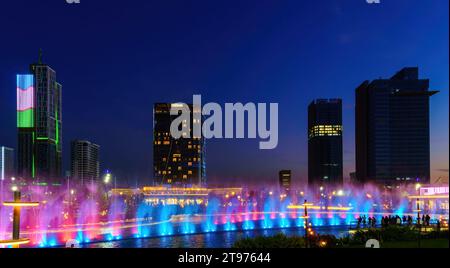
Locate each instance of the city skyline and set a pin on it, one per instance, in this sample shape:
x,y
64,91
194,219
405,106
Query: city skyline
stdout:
x,y
102,91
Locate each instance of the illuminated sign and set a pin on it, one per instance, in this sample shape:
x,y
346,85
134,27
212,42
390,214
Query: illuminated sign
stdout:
x,y
433,190
25,101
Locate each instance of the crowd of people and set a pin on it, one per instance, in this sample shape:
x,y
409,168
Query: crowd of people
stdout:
x,y
364,221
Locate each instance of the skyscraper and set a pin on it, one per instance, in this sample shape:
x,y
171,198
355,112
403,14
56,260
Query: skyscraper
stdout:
x,y
39,124
84,162
392,129
325,142
6,163
176,161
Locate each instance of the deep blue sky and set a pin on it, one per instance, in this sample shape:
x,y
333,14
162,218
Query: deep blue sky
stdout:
x,y
116,58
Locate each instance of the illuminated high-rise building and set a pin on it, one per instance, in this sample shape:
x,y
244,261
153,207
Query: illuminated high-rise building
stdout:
x,y
6,163
325,142
285,180
39,125
84,162
393,130
177,161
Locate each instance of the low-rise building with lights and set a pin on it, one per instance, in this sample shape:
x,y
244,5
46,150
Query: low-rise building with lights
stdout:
x,y
432,199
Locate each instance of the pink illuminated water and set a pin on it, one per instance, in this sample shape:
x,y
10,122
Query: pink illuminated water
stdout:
x,y
89,213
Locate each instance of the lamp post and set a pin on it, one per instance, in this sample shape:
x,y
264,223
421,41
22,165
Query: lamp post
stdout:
x,y
306,223
107,181
418,199
17,204
16,216
418,212
107,178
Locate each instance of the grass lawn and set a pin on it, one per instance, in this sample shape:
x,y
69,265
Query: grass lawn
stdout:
x,y
426,243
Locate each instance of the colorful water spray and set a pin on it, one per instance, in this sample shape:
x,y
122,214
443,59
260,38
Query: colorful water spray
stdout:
x,y
88,213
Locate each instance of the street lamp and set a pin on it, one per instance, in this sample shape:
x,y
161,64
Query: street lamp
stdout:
x,y
417,201
107,178
17,204
305,204
418,211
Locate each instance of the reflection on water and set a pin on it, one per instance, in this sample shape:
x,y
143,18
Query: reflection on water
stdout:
x,y
209,240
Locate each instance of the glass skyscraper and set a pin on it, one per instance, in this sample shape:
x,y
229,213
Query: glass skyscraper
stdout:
x,y
393,129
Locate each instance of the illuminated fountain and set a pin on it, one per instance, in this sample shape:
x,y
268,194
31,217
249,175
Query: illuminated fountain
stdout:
x,y
248,223
210,225
88,213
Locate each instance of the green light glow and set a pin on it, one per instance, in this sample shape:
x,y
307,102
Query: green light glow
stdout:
x,y
25,118
57,126
32,161
42,138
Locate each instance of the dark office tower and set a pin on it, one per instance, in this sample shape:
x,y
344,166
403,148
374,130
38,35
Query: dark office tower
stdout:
x,y
177,161
39,124
325,142
285,180
6,163
392,129
84,160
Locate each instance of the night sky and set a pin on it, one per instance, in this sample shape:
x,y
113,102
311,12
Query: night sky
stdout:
x,y
116,58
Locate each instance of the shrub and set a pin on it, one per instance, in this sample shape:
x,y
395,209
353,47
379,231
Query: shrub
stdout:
x,y
436,234
389,233
277,241
360,237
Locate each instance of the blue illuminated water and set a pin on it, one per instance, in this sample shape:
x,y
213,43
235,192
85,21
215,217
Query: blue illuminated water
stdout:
x,y
210,240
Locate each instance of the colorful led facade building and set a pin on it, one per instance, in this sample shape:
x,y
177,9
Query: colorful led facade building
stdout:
x,y
25,125
325,164
393,129
180,161
39,125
